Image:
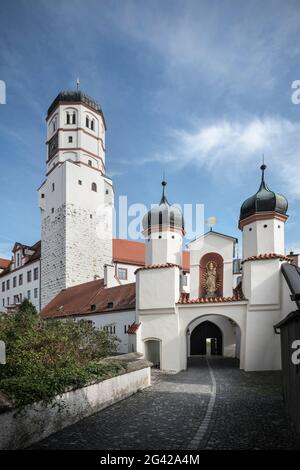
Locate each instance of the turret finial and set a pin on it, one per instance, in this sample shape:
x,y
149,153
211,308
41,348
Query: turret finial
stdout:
x,y
77,83
164,184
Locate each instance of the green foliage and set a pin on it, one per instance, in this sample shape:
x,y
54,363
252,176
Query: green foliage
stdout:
x,y
46,357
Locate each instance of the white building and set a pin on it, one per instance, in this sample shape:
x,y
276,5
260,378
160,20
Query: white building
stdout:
x,y
163,301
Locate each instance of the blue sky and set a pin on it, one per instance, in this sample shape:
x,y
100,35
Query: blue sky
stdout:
x,y
198,89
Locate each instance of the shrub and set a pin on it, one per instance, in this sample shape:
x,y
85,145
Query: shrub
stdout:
x,y
44,357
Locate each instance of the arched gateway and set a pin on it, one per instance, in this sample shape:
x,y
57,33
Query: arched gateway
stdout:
x,y
206,340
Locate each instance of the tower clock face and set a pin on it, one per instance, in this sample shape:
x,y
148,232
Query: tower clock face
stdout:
x,y
53,146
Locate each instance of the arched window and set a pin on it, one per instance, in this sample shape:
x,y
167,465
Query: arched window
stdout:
x,y
90,163
94,187
92,124
68,118
74,118
87,121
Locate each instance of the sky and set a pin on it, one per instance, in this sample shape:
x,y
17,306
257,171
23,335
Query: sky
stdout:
x,y
199,90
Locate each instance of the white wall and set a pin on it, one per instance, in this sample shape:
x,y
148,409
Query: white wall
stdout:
x,y
211,242
163,247
263,236
21,289
119,320
158,288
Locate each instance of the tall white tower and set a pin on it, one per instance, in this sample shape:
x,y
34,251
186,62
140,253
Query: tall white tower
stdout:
x,y
76,199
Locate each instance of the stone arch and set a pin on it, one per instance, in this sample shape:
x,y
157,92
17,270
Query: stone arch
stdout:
x,y
219,261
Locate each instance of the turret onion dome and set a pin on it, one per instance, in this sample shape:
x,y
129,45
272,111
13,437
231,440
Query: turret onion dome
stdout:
x,y
163,215
264,200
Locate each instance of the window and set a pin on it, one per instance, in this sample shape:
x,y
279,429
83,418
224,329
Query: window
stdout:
x,y
35,274
28,276
70,139
68,118
43,196
18,259
28,294
80,182
20,279
110,305
21,297
94,187
7,284
53,186
35,293
7,300
91,216
90,163
3,302
15,281
92,124
122,274
52,210
74,118
87,122
107,192
3,286
16,299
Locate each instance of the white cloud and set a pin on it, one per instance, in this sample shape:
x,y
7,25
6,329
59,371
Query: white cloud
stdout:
x,y
227,148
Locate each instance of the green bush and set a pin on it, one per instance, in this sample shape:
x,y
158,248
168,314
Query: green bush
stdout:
x,y
46,357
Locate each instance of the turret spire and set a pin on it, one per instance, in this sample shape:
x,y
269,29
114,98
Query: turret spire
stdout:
x,y
164,199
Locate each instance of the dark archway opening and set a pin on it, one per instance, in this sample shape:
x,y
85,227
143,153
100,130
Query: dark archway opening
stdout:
x,y
152,352
206,339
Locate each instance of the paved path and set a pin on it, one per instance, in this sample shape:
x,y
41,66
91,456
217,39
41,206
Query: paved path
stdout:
x,y
212,405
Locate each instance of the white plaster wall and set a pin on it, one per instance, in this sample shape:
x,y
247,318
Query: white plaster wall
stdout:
x,y
258,239
23,289
165,328
262,350
287,305
261,282
158,288
211,242
167,249
117,319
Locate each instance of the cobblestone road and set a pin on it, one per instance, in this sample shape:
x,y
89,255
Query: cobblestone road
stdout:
x,y
246,412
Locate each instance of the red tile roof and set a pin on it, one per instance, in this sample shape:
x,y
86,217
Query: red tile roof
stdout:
x,y
132,252
30,259
267,256
133,328
91,298
4,263
236,297
158,266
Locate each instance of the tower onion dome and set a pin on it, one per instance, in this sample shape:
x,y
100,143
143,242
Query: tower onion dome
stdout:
x,y
163,216
75,97
264,200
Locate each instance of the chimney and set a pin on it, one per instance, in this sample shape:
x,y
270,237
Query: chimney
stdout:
x,y
110,276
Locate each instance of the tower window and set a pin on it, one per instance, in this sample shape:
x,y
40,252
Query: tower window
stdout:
x,y
173,236
250,229
159,236
68,118
53,186
52,210
107,192
87,122
74,119
94,187
80,182
43,196
91,216
92,124
265,226
278,226
90,163
70,139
